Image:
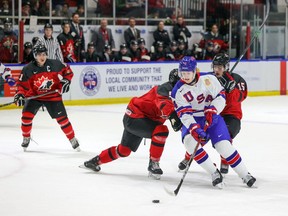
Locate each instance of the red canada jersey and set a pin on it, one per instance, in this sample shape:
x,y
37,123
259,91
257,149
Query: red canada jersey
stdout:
x,y
35,80
155,104
235,98
6,48
67,47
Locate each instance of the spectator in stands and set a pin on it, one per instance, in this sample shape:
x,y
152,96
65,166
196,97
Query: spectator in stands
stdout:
x,y
180,31
35,5
5,9
66,42
26,12
213,36
80,10
131,33
144,53
103,36
209,52
45,9
27,53
134,52
123,55
91,54
64,11
78,36
51,43
159,54
171,51
160,34
8,39
104,8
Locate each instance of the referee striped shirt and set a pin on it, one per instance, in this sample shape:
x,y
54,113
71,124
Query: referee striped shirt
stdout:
x,y
53,47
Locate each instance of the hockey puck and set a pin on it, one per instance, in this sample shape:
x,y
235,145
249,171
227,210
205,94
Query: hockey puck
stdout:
x,y
155,201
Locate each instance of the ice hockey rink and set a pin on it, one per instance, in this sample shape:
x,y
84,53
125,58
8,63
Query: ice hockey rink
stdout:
x,y
46,180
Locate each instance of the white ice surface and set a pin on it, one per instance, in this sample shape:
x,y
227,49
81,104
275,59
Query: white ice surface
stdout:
x,y
46,180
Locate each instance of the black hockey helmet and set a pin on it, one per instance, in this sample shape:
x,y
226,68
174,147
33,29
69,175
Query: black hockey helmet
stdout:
x,y
8,26
134,43
65,22
34,40
123,46
141,41
48,25
173,43
107,47
28,45
181,42
91,44
159,44
39,48
221,59
173,76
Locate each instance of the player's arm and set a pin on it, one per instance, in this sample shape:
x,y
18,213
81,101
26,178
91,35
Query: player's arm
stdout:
x,y
6,74
241,89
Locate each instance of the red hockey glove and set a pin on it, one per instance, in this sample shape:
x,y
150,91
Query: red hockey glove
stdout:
x,y
199,134
211,115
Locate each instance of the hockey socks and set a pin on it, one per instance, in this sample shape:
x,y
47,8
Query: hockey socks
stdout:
x,y
26,125
114,153
233,158
66,126
158,140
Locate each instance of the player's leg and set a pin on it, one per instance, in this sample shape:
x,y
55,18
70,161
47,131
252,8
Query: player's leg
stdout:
x,y
220,139
234,126
129,142
56,110
202,158
29,111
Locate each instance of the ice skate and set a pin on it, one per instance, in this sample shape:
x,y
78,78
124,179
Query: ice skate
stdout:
x,y
92,164
249,180
154,170
25,143
224,168
75,144
217,179
183,164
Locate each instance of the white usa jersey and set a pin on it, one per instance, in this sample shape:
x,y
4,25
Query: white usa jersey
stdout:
x,y
189,101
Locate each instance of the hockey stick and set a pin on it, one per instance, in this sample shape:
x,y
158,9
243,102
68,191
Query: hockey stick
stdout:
x,y
176,191
256,35
32,97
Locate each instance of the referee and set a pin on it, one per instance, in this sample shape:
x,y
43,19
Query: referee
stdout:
x,y
52,45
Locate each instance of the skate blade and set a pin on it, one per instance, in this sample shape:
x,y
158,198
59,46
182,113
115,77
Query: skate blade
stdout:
x,y
77,149
84,167
154,176
220,185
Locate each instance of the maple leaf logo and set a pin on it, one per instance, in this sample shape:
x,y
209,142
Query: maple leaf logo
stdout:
x,y
43,83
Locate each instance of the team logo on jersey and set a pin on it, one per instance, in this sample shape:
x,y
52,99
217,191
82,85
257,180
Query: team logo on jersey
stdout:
x,y
207,82
43,83
90,81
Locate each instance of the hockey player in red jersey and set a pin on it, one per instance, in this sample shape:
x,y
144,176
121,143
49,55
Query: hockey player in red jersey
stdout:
x,y
49,77
236,92
144,118
66,42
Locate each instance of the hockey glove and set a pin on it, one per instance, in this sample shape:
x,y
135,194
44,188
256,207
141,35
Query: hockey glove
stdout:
x,y
175,122
19,99
199,134
227,81
65,85
7,76
210,115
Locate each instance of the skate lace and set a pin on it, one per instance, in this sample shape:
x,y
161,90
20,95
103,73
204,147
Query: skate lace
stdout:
x,y
155,165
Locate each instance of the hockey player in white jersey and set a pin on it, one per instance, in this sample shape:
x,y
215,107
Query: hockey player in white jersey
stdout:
x,y
198,100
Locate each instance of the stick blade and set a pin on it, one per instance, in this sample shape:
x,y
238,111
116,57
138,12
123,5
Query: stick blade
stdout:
x,y
168,191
